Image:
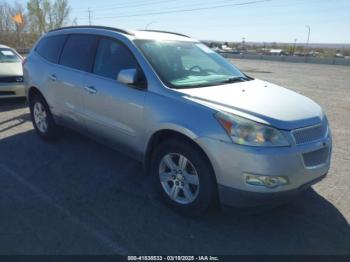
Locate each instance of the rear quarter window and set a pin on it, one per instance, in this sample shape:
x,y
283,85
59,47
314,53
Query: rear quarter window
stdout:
x,y
50,47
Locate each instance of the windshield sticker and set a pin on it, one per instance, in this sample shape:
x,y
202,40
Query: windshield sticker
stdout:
x,y
205,48
7,53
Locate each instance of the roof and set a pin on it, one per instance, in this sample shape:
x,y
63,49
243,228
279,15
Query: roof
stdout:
x,y
140,34
164,32
158,35
123,31
161,35
4,46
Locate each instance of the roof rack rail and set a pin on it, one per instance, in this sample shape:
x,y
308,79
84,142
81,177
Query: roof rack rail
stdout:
x,y
95,27
167,32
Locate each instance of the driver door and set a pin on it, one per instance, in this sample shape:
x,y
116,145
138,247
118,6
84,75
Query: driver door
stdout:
x,y
113,110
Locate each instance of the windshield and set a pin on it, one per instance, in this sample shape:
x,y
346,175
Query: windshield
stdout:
x,y
188,64
8,56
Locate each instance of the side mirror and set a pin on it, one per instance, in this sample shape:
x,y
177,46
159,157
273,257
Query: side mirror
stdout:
x,y
127,76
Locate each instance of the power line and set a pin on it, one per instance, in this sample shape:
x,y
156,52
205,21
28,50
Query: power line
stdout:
x,y
140,3
192,4
186,10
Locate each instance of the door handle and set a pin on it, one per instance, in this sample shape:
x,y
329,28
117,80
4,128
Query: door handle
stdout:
x,y
91,89
53,77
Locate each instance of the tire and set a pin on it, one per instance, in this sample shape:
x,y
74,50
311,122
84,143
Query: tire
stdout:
x,y
204,195
42,119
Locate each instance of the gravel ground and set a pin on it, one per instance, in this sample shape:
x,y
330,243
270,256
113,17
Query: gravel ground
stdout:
x,y
75,196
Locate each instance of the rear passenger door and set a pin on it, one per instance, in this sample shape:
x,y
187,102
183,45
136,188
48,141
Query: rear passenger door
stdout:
x,y
76,59
49,49
114,110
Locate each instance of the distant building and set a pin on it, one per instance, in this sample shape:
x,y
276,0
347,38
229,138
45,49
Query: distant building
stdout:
x,y
226,48
313,53
339,55
276,52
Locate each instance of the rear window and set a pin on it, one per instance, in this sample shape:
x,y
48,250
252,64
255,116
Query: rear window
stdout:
x,y
78,52
8,56
51,47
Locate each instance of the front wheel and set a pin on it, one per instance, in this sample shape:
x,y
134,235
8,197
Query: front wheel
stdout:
x,y
42,119
183,177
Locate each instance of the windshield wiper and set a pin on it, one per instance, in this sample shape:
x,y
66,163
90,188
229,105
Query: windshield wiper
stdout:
x,y
234,80
226,81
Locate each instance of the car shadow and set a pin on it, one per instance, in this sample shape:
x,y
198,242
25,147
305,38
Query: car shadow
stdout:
x,y
7,104
76,179
14,122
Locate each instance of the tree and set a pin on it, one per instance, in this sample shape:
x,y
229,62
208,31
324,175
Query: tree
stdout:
x,y
45,15
6,23
20,27
11,32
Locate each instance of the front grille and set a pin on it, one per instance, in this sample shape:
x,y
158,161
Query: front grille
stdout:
x,y
310,134
11,79
317,157
7,93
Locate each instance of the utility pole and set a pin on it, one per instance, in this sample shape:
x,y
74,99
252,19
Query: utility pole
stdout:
x,y
90,15
308,41
264,49
243,43
295,45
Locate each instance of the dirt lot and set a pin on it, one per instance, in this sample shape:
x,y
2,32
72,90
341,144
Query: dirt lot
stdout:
x,y
75,196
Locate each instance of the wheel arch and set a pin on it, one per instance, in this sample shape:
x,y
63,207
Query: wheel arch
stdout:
x,y
32,92
170,134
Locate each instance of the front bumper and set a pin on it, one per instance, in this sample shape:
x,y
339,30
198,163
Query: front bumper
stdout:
x,y
231,162
9,90
239,198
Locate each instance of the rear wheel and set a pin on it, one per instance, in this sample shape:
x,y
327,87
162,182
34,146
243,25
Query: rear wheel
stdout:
x,y
183,177
42,119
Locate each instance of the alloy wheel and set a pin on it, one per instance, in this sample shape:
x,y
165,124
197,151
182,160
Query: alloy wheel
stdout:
x,y
179,178
40,117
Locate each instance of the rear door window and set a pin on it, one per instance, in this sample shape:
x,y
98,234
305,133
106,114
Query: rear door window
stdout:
x,y
78,52
50,47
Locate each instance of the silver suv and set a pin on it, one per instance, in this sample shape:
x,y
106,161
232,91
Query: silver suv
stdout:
x,y
205,131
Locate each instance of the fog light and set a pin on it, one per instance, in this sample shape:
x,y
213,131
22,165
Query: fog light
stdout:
x,y
266,181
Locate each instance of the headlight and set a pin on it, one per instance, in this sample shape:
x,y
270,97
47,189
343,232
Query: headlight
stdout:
x,y
246,132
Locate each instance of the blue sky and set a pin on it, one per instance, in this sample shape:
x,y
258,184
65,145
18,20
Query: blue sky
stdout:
x,y
270,21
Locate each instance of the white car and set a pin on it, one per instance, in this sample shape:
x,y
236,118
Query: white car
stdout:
x,y
11,73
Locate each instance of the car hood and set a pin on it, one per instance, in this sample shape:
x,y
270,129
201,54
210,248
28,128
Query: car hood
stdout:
x,y
11,69
260,101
